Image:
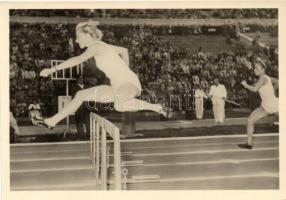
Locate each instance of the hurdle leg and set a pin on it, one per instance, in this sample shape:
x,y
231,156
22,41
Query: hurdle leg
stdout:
x,y
103,171
117,162
96,145
91,139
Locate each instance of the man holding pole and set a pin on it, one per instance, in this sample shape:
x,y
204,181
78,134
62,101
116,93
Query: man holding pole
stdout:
x,y
218,95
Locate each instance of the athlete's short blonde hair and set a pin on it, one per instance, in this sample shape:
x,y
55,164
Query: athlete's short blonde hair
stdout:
x,y
90,27
260,62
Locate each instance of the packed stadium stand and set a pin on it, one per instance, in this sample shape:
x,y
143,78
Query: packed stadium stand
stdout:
x,y
152,13
183,56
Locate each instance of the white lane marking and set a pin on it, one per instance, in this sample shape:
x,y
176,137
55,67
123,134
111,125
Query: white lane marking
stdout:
x,y
260,175
204,151
199,137
223,161
203,178
148,147
148,154
198,144
146,177
83,167
49,151
145,140
48,143
52,169
62,158
50,159
64,186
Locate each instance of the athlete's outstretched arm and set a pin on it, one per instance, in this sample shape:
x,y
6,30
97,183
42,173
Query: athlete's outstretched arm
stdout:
x,y
70,62
123,53
257,86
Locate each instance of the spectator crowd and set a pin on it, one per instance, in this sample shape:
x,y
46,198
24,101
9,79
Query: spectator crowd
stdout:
x,y
151,13
167,71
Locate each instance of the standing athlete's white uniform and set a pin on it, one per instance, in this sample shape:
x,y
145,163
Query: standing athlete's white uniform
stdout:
x,y
114,67
199,103
217,93
270,103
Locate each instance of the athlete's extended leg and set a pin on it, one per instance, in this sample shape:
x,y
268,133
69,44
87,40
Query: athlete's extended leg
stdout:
x,y
103,94
256,115
125,101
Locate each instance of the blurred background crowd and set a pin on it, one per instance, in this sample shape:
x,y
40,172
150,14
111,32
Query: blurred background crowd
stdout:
x,y
152,13
165,69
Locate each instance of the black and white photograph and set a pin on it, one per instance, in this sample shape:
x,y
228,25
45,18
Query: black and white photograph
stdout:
x,y
164,99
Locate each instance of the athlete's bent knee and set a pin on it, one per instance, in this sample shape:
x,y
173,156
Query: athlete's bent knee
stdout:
x,y
120,107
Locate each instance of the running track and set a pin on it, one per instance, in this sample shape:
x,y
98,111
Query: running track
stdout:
x,y
192,163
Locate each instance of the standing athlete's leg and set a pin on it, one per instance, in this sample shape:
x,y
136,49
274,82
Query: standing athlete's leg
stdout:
x,y
256,115
221,111
215,111
200,109
197,108
103,94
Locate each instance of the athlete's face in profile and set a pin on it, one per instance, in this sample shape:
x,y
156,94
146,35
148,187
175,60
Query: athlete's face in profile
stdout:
x,y
82,39
258,70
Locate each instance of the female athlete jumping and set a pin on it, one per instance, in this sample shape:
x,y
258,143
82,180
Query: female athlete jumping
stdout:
x,y
114,62
269,104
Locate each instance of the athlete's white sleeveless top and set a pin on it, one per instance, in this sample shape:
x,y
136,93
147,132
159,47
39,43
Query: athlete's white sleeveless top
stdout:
x,y
114,67
270,103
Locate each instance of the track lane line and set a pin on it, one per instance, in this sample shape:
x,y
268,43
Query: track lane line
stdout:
x,y
204,152
145,140
149,147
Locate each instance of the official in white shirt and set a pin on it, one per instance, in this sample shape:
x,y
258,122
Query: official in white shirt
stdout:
x,y
199,102
218,95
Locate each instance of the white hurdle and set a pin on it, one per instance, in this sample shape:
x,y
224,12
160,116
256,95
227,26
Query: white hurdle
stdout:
x,y
100,128
63,74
